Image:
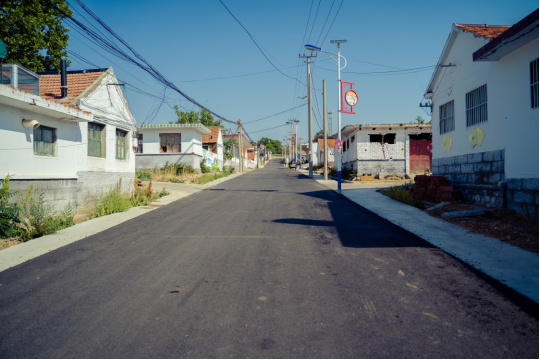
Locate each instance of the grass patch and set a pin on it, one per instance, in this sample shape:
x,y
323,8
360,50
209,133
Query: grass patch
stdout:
x,y
167,173
206,178
403,196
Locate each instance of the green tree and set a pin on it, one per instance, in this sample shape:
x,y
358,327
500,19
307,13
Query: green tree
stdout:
x,y
272,145
320,132
228,144
191,117
33,32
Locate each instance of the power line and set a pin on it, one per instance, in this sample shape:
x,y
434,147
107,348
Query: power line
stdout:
x,y
330,28
314,20
279,113
327,16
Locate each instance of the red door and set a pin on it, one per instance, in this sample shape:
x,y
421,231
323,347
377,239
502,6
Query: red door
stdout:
x,y
420,156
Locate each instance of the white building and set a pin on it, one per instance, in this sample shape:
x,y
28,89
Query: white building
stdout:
x,y
213,144
395,149
485,113
76,146
235,161
161,144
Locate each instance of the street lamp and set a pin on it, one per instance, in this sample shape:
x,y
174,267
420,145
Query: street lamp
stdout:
x,y
338,58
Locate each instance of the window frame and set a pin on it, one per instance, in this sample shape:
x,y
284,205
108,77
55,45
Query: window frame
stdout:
x,y
446,126
533,76
38,139
171,140
96,143
120,142
476,110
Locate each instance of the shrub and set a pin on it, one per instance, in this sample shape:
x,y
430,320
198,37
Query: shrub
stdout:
x,y
143,175
176,181
228,169
163,192
112,201
11,221
204,168
403,196
43,220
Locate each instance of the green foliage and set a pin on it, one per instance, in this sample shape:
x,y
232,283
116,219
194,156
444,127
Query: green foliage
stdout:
x,y
403,196
110,202
163,192
191,117
272,145
228,169
44,221
143,175
176,181
420,120
204,168
206,178
11,221
33,33
346,173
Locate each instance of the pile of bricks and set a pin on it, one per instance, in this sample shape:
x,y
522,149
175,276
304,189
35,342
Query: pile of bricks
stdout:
x,y
434,189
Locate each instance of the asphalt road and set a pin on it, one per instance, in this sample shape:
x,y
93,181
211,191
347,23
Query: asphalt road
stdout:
x,y
267,265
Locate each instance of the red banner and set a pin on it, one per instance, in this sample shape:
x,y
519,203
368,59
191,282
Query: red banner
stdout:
x,y
349,97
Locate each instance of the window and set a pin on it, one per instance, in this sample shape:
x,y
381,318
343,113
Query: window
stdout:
x,y
446,117
44,141
139,148
386,138
170,143
476,102
205,147
120,144
534,84
96,143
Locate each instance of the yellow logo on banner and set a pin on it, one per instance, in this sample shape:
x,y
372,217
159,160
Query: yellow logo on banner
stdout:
x,y
447,143
476,137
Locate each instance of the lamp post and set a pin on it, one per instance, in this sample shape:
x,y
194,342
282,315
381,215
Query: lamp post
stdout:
x,y
338,59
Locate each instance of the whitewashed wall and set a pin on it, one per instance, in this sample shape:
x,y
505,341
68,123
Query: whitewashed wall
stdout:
x,y
191,140
512,125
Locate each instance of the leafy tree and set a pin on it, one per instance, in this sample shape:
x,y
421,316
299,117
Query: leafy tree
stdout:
x,y
191,117
33,32
228,144
320,132
272,145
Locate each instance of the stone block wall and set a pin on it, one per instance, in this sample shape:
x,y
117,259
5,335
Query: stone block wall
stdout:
x,y
56,192
374,167
522,194
479,177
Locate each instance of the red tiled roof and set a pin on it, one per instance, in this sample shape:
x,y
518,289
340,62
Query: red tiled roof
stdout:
x,y
49,85
245,141
486,31
211,138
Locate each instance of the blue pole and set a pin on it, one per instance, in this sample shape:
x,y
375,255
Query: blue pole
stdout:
x,y
339,181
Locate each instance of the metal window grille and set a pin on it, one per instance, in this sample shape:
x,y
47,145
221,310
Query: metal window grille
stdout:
x,y
476,102
170,143
120,145
95,133
534,83
44,140
446,117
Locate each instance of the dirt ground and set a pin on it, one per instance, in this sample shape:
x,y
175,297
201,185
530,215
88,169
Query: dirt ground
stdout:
x,y
505,225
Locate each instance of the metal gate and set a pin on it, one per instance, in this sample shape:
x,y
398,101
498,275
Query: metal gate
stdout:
x,y
419,156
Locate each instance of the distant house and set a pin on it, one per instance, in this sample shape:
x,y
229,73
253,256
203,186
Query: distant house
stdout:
x,y
69,147
213,144
161,144
318,151
484,96
395,149
235,162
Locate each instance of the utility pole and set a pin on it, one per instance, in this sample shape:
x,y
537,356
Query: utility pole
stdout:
x,y
241,160
293,137
310,113
257,153
324,131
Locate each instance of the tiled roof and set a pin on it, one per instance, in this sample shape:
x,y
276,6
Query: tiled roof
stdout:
x,y
485,31
244,138
77,82
211,138
330,143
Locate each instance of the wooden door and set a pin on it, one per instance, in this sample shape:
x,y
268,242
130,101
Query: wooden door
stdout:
x,y
419,156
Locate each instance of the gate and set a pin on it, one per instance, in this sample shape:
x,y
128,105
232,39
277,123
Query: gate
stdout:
x,y
419,156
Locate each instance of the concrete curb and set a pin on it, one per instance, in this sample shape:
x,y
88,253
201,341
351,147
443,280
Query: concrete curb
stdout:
x,y
20,253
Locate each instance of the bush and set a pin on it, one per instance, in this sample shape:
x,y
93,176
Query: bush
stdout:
x,y
176,181
204,168
143,175
11,222
403,196
111,202
44,221
228,169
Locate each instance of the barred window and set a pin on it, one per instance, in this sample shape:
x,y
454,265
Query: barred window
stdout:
x,y
95,140
170,143
476,102
446,117
44,141
534,83
120,144
139,148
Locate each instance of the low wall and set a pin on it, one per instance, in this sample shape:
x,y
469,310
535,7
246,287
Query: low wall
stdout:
x,y
150,161
522,194
56,192
374,167
93,183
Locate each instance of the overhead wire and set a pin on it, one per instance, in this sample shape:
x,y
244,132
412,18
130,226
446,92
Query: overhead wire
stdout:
x,y
324,25
332,24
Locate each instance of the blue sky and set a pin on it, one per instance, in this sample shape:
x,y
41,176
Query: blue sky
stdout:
x,y
194,42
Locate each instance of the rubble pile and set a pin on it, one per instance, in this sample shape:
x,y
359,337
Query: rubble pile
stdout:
x,y
434,189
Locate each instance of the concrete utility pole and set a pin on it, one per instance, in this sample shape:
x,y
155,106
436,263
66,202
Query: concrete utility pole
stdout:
x,y
310,113
324,131
240,159
257,153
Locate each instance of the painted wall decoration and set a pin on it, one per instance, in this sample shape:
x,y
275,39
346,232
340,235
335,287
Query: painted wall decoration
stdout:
x,y
476,137
447,143
211,159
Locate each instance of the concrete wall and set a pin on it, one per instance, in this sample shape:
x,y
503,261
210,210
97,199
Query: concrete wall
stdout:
x,y
150,161
371,158
512,125
93,183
